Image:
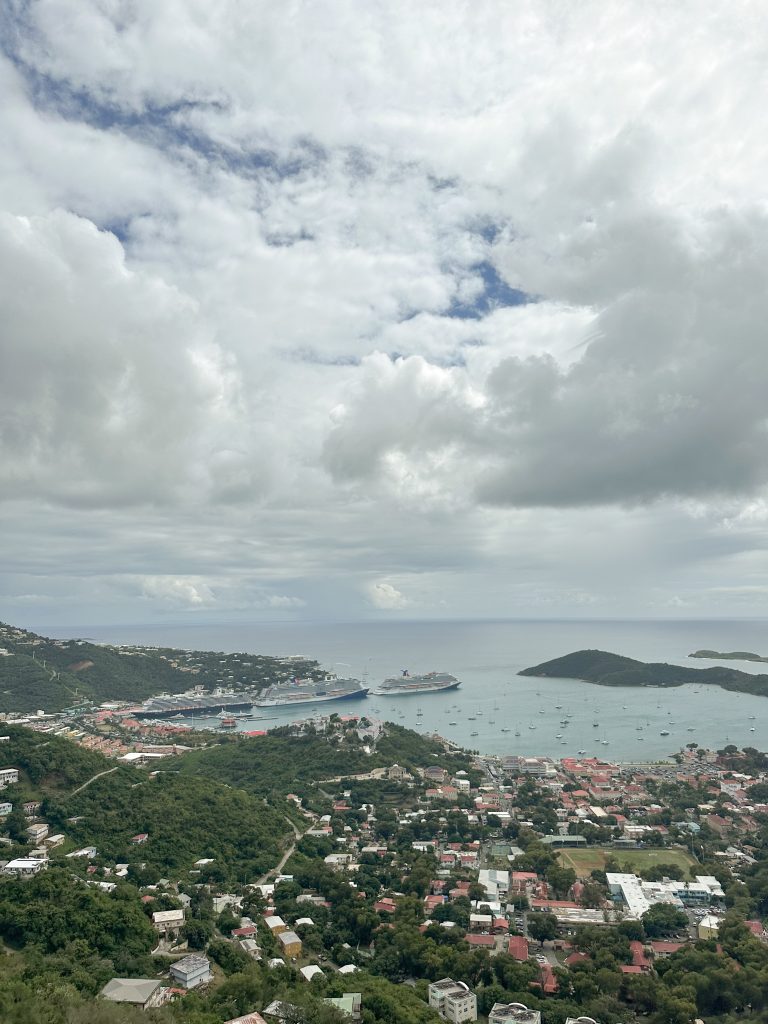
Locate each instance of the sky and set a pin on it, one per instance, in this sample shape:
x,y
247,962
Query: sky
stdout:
x,y
330,310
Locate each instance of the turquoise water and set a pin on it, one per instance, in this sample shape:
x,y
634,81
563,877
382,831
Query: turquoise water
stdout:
x,y
486,656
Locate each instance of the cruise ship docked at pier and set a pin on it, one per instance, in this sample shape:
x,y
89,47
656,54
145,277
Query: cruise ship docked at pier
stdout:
x,y
432,682
310,691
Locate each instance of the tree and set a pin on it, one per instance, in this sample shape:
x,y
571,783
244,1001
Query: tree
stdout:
x,y
542,927
663,919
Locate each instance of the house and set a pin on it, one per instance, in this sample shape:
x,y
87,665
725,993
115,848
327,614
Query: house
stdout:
x,y
137,840
168,922
5,808
37,832
144,992
517,947
513,1013
350,1004
396,772
23,867
275,924
708,927
290,944
248,1018
191,971
8,777
453,1000
310,972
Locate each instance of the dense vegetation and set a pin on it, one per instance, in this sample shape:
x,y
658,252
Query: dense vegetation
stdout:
x,y
728,655
615,670
186,818
54,674
283,762
48,764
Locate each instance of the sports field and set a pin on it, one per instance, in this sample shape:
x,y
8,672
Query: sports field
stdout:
x,y
594,857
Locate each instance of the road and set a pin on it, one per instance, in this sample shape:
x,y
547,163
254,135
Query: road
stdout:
x,y
273,872
93,779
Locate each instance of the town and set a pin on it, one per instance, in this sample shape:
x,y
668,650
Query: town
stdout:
x,y
431,884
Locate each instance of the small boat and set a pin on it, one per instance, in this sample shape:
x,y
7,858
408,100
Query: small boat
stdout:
x,y
471,718
752,729
531,726
517,733
640,739
581,751
491,721
604,742
507,730
691,729
558,707
474,734
453,723
419,713
478,712
559,736
751,718
541,712
665,732
595,725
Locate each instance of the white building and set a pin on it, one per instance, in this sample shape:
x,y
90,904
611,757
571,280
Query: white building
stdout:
x,y
168,921
23,867
513,1013
144,992
8,777
639,895
191,971
453,1000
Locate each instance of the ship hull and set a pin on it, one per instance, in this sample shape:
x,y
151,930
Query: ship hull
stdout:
x,y
414,691
325,698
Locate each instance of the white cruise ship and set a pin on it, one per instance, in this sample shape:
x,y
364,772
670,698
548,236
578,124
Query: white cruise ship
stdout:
x,y
432,682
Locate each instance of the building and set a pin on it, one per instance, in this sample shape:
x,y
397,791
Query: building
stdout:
x,y
168,922
23,867
144,992
708,927
275,924
350,1004
453,1000
8,777
191,971
513,1013
639,894
290,944
37,832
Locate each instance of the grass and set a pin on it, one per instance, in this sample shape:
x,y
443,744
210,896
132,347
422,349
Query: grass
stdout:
x,y
593,859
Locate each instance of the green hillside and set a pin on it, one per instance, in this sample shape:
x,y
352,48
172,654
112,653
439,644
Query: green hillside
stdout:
x,y
608,669
37,672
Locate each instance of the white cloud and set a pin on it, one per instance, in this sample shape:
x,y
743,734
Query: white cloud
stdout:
x,y
384,596
234,287
178,592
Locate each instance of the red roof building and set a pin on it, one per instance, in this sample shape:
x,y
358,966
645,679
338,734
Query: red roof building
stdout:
x,y
517,947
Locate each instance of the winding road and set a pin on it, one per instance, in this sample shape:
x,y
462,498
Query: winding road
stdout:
x,y
93,779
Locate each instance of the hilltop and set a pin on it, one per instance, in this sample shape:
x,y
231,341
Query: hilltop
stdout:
x,y
608,669
37,672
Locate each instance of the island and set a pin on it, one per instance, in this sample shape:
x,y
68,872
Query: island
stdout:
x,y
608,669
728,655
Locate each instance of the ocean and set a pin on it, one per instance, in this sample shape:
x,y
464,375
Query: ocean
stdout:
x,y
496,711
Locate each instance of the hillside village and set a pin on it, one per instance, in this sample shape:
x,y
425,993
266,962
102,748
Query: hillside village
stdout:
x,y
435,885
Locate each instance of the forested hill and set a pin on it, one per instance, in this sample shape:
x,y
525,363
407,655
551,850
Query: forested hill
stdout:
x,y
608,669
38,672
283,762
185,818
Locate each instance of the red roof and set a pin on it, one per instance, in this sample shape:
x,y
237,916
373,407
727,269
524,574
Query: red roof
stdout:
x,y
576,958
480,940
632,969
501,923
518,947
660,946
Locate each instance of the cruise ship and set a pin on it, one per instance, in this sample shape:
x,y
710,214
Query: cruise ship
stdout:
x,y
432,682
310,691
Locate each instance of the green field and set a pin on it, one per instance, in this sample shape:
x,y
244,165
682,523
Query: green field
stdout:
x,y
594,857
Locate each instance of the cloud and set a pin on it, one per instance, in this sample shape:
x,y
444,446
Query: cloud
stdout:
x,y
456,305
176,592
386,597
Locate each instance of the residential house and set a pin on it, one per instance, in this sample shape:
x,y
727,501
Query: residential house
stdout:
x,y
192,971
453,1000
23,867
168,922
146,993
350,1004
513,1013
290,944
8,777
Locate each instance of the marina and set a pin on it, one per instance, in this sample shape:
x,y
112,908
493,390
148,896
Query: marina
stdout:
x,y
515,714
